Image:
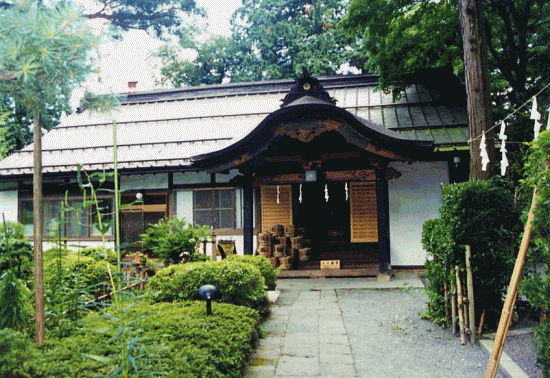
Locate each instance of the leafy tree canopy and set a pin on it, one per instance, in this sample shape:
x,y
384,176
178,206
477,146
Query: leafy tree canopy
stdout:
x,y
401,37
271,39
43,54
158,17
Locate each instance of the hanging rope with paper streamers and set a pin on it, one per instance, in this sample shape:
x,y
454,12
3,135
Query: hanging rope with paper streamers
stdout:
x,y
536,116
326,192
483,153
502,136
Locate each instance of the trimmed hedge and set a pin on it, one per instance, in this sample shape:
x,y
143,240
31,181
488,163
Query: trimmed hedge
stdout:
x,y
262,264
173,340
237,282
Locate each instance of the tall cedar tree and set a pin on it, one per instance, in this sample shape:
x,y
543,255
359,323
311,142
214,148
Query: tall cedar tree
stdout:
x,y
271,39
401,37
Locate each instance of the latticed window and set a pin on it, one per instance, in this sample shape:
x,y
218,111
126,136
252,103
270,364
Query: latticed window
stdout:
x,y
214,207
69,220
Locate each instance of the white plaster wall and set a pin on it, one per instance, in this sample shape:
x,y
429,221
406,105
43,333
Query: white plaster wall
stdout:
x,y
137,182
191,178
75,245
184,205
8,205
413,198
225,178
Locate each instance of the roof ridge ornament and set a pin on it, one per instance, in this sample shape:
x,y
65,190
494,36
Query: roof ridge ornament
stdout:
x,y
307,85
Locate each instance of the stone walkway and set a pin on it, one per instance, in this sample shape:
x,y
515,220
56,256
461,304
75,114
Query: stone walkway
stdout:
x,y
306,334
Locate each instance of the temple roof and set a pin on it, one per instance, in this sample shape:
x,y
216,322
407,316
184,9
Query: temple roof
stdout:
x,y
167,130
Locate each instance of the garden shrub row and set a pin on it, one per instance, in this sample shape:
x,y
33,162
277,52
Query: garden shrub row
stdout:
x,y
482,214
163,339
237,282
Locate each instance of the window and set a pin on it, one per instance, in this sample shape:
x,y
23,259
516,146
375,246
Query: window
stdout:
x,y
214,208
137,216
70,220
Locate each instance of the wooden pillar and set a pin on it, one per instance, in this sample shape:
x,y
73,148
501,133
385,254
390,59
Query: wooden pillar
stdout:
x,y
248,216
382,204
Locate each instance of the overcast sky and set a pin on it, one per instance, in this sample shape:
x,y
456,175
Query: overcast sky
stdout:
x,y
126,61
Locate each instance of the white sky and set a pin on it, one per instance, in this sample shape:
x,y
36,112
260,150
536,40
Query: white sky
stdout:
x,y
126,61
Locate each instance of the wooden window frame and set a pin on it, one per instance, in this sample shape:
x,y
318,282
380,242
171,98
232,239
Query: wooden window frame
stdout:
x,y
214,209
90,235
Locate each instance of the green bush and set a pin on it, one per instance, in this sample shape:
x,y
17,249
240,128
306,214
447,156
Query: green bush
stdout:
x,y
536,280
172,340
174,240
238,283
262,264
100,254
15,274
85,270
19,257
481,214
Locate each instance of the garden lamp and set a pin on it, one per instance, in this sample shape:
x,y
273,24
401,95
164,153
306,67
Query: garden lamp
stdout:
x,y
207,292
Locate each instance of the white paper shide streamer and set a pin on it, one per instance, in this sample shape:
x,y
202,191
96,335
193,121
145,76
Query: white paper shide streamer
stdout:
x,y
502,136
278,195
535,115
347,192
483,153
326,192
300,198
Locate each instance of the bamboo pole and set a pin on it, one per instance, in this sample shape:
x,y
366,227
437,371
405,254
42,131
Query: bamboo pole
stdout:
x,y
453,307
511,295
481,321
471,307
460,307
447,317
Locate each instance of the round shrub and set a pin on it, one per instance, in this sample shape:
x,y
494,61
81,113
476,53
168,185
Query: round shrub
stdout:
x,y
100,254
262,264
85,270
238,283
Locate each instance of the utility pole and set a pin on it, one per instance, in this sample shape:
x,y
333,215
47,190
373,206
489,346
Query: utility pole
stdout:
x,y
477,86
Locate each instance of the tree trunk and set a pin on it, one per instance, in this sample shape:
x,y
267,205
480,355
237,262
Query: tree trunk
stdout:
x,y
38,221
477,86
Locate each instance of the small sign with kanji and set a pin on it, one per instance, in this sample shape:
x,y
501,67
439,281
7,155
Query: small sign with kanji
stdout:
x,y
330,264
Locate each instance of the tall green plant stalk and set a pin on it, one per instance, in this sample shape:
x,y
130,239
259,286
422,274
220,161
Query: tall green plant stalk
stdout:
x,y
117,197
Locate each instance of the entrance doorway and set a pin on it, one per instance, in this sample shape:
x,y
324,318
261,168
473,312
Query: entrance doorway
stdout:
x,y
325,214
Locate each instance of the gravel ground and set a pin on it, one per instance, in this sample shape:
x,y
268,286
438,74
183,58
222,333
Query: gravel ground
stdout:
x,y
522,351
406,345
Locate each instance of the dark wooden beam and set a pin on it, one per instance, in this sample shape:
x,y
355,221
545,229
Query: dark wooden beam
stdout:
x,y
382,203
248,215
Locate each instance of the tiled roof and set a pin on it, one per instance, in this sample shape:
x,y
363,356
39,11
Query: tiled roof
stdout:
x,y
165,129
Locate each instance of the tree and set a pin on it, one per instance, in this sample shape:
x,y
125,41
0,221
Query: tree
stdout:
x,y
13,135
43,56
476,75
271,39
159,17
401,37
